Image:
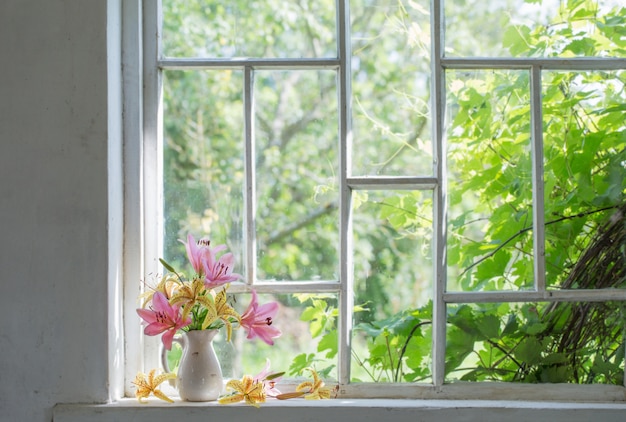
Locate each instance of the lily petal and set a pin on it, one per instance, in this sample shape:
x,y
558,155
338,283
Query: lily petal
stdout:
x,y
257,320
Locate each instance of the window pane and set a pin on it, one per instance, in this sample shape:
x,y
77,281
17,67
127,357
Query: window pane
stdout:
x,y
202,160
544,28
243,28
560,342
393,286
391,88
585,178
490,180
296,159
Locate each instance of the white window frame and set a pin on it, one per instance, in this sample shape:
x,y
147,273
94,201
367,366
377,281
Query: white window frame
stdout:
x,y
143,117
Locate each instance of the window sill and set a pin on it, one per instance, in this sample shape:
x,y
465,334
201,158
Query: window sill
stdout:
x,y
363,410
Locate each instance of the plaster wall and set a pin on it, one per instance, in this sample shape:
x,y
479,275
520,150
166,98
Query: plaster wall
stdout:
x,y
54,209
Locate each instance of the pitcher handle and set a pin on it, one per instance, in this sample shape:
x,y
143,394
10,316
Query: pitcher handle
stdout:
x,y
166,366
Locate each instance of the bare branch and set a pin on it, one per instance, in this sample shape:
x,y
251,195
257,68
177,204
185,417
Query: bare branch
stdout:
x,y
524,230
279,235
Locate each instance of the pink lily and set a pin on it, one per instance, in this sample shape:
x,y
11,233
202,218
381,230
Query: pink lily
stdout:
x,y
257,320
197,251
268,385
218,271
163,318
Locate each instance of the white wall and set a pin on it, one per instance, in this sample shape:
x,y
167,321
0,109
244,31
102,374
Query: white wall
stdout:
x,y
54,211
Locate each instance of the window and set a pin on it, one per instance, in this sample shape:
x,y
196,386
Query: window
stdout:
x,y
433,191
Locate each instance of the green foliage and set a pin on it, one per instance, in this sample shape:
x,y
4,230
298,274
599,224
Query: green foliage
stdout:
x,y
490,227
489,128
321,314
397,347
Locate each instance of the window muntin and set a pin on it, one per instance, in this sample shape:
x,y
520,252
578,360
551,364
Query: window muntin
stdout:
x,y
446,303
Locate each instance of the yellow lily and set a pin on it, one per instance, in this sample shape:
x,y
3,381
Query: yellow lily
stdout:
x,y
191,293
147,386
220,309
247,389
316,389
167,286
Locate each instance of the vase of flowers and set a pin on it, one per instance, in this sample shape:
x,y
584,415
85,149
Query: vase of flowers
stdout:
x,y
196,308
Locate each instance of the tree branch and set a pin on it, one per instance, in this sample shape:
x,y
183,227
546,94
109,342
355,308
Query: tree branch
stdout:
x,y
405,345
524,230
278,235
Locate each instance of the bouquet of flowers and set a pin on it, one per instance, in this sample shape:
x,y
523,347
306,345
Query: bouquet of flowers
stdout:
x,y
180,303
199,302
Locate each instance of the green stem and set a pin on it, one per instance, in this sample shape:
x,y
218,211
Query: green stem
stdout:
x,y
406,344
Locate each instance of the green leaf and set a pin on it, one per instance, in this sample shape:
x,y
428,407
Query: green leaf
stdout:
x,y
418,349
458,346
511,325
464,320
517,39
554,358
315,327
274,375
536,328
369,329
329,342
529,351
310,313
301,362
556,374
612,109
581,47
167,266
489,326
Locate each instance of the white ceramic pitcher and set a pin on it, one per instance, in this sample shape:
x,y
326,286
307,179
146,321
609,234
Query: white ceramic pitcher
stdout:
x,y
199,375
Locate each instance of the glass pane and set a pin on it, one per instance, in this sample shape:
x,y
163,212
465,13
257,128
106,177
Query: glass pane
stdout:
x,y
202,161
531,28
585,178
391,88
297,213
243,28
490,180
392,286
563,342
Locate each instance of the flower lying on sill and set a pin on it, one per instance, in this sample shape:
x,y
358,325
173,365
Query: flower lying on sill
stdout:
x,y
148,386
316,389
311,390
247,389
251,390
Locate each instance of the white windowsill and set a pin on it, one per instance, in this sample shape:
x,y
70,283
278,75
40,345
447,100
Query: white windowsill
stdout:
x,y
361,410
